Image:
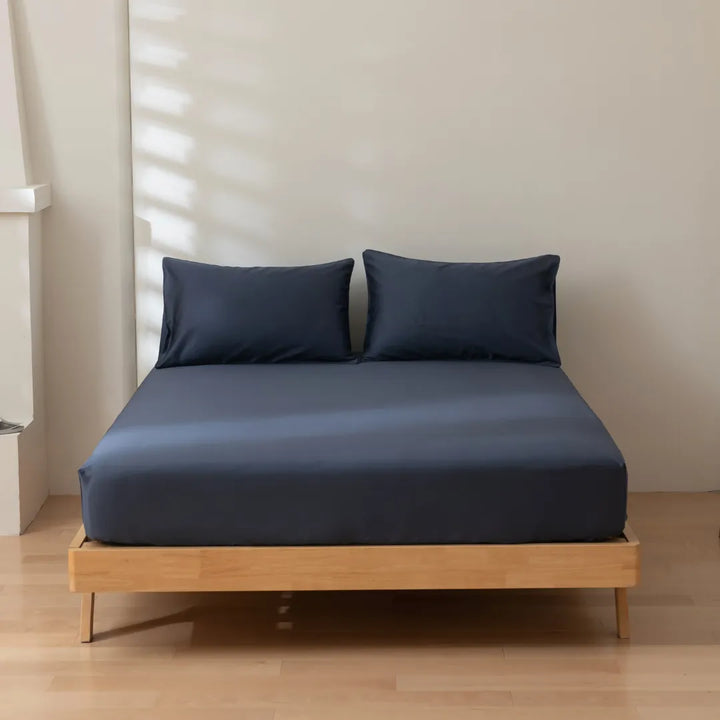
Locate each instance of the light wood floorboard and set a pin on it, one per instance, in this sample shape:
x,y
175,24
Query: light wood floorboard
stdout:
x,y
504,655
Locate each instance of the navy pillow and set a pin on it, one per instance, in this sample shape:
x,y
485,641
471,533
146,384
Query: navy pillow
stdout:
x,y
420,310
216,315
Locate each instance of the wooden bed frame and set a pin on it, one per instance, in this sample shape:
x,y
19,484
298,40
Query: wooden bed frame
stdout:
x,y
95,567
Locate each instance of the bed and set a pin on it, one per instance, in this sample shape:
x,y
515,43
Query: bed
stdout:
x,y
354,475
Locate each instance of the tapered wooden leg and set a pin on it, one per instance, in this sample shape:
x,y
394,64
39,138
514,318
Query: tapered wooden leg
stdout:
x,y
622,614
87,611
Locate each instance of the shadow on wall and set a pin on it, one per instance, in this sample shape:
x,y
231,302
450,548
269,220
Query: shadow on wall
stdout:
x,y
201,176
222,125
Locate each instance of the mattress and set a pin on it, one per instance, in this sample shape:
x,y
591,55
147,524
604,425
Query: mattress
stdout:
x,y
355,453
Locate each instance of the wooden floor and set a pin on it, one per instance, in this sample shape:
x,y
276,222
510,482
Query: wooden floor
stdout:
x,y
458,655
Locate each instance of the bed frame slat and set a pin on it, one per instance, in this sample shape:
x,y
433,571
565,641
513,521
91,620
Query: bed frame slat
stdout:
x,y
95,567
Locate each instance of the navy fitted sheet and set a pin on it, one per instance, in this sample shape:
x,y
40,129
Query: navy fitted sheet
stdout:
x,y
355,453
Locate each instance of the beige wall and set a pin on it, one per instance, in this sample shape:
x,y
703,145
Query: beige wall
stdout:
x,y
284,132
277,132
74,68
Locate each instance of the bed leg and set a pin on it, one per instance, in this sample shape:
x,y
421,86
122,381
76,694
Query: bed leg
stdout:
x,y
622,614
87,611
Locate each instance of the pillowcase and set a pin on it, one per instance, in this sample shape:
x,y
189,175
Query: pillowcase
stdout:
x,y
216,315
421,310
